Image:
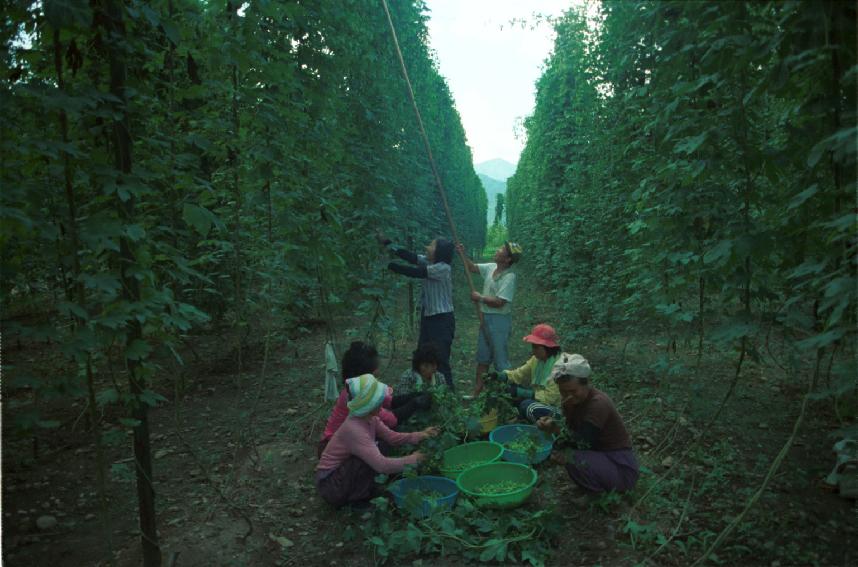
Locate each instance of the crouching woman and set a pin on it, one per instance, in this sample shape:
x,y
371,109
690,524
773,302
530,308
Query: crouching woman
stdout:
x,y
351,460
602,458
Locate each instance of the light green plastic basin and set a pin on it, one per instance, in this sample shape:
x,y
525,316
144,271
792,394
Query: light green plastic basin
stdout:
x,y
460,458
475,480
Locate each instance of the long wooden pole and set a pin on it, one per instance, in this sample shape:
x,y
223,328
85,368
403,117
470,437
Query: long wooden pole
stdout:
x,y
438,183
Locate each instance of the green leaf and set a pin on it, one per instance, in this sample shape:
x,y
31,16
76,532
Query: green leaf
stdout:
x,y
837,312
68,13
528,556
129,422
192,313
840,286
134,232
199,141
137,350
667,309
151,15
816,152
800,199
199,218
69,308
151,398
112,320
489,553
635,226
807,267
731,332
689,145
821,340
108,396
719,251
103,282
845,222
172,32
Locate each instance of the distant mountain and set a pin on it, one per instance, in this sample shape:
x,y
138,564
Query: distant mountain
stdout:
x,y
493,187
499,169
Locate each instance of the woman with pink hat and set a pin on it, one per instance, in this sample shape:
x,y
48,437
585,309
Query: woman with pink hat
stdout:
x,y
531,384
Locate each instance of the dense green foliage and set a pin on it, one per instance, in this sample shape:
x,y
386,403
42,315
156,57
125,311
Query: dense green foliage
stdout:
x,y
521,536
692,166
459,422
171,164
174,167
267,146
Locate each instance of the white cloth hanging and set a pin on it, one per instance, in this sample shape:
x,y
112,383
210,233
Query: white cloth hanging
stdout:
x,y
331,373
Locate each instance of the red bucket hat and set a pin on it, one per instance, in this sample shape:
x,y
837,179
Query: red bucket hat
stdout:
x,y
544,335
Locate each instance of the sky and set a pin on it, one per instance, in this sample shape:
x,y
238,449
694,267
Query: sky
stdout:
x,y
492,66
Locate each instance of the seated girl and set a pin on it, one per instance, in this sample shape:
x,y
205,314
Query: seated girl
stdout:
x,y
423,372
602,458
535,394
362,358
351,460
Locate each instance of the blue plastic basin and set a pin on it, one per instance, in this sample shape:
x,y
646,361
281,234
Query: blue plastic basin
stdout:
x,y
506,433
422,507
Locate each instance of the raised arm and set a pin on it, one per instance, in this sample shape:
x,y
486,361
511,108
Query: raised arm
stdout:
x,y
402,253
418,271
407,255
471,267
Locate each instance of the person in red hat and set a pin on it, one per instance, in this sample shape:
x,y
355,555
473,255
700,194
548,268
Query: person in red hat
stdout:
x,y
531,384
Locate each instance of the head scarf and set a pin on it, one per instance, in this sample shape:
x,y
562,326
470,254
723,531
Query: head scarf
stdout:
x,y
367,394
571,365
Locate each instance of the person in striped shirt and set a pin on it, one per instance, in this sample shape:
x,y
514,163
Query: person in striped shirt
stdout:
x,y
437,322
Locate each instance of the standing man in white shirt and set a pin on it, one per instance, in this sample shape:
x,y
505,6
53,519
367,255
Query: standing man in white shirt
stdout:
x,y
496,304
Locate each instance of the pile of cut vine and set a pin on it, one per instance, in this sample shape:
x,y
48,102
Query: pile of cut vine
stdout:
x,y
502,487
523,444
427,495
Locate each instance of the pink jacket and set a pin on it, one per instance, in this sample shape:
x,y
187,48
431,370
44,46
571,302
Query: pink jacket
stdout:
x,y
341,412
357,437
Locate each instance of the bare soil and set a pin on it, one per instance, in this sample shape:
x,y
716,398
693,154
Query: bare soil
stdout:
x,y
234,458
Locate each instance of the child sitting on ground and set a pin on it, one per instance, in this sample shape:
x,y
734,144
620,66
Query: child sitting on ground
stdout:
x,y
362,358
351,460
423,372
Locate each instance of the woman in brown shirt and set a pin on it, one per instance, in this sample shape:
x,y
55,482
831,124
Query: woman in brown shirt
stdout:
x,y
603,458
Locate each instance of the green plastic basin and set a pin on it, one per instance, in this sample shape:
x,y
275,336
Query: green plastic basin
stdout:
x,y
476,480
460,458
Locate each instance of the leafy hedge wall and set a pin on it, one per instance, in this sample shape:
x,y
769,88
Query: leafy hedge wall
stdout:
x,y
690,166
171,163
